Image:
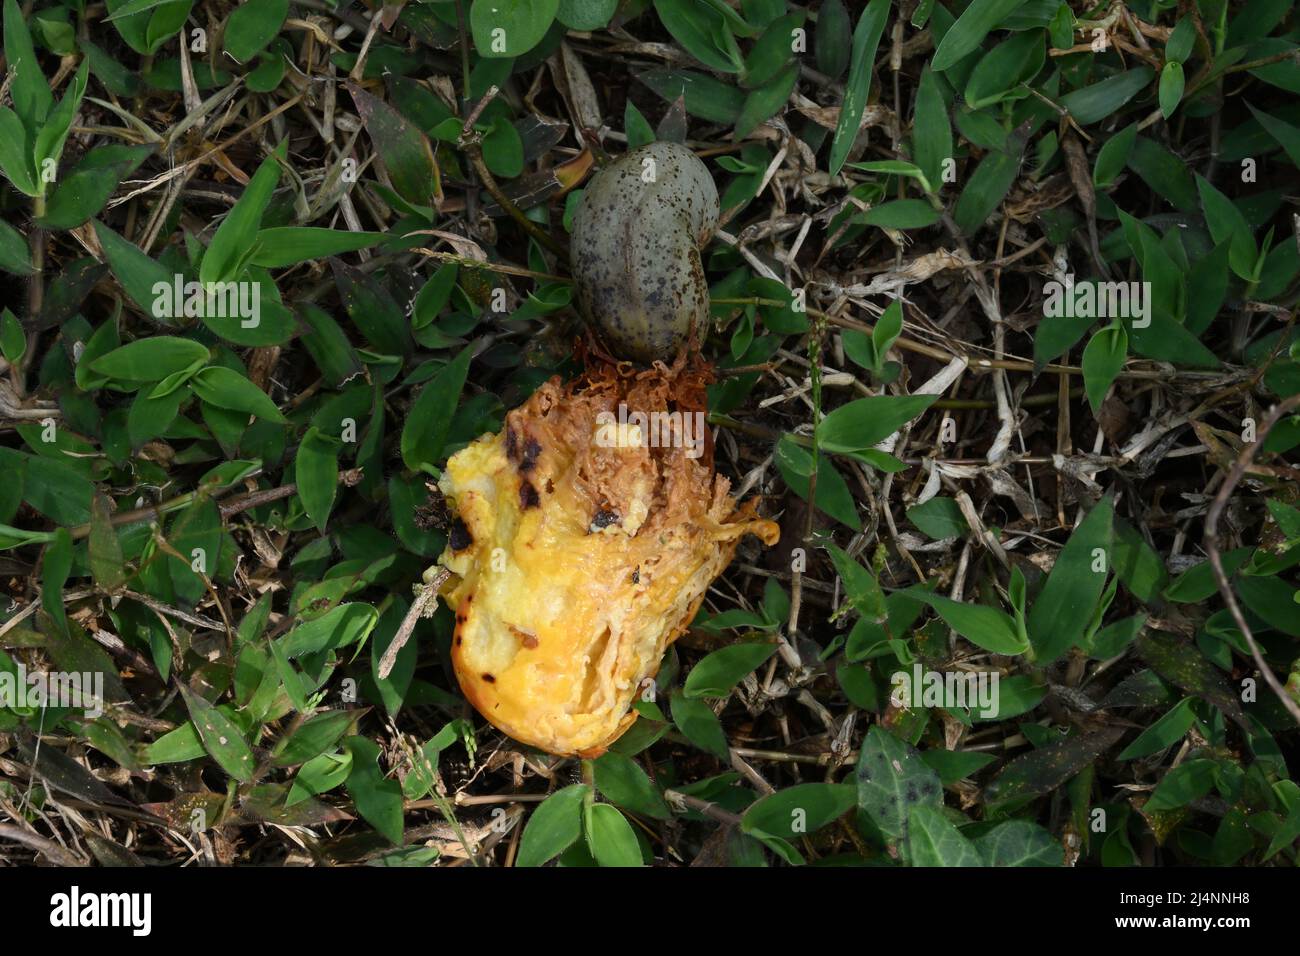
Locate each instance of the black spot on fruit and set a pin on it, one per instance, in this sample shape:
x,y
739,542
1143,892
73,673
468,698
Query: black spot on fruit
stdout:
x,y
528,497
459,537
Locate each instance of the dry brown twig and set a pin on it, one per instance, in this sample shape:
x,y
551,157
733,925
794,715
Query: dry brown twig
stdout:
x,y
1239,469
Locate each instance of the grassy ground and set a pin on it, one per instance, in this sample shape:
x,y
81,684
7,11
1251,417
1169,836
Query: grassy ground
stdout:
x,y
1091,497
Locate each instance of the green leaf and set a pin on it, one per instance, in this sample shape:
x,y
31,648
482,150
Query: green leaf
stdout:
x,y
1094,103
705,97
226,388
1103,360
932,840
834,38
902,214
989,628
31,94
13,251
427,424
832,493
104,549
233,244
288,245
13,340
697,26
220,737
84,191
1172,82
252,26
1186,668
316,471
316,735
586,14
892,780
1113,155
341,626
720,671
1064,607
696,720
860,424
378,800
985,189
1226,223
1019,843
931,131
1048,768
764,102
1287,135
139,275
860,585
1179,45
15,157
974,24
1188,781
151,359
510,28
939,518
1005,67
620,780
798,810
403,147
553,827
610,836
866,39
1165,732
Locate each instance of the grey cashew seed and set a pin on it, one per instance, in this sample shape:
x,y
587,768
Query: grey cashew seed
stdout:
x,y
637,236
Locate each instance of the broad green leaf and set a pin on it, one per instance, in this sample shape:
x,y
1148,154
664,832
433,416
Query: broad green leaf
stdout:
x,y
252,26
619,779
696,720
720,671
220,737
316,471
1172,82
893,779
553,827
1061,612
1019,843
1165,732
1227,224
288,245
377,799
931,131
1094,103
974,24
865,422
141,278
985,626
233,244
427,425
1048,768
150,359
226,388
510,28
1103,360
801,809
932,840
866,39
610,837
